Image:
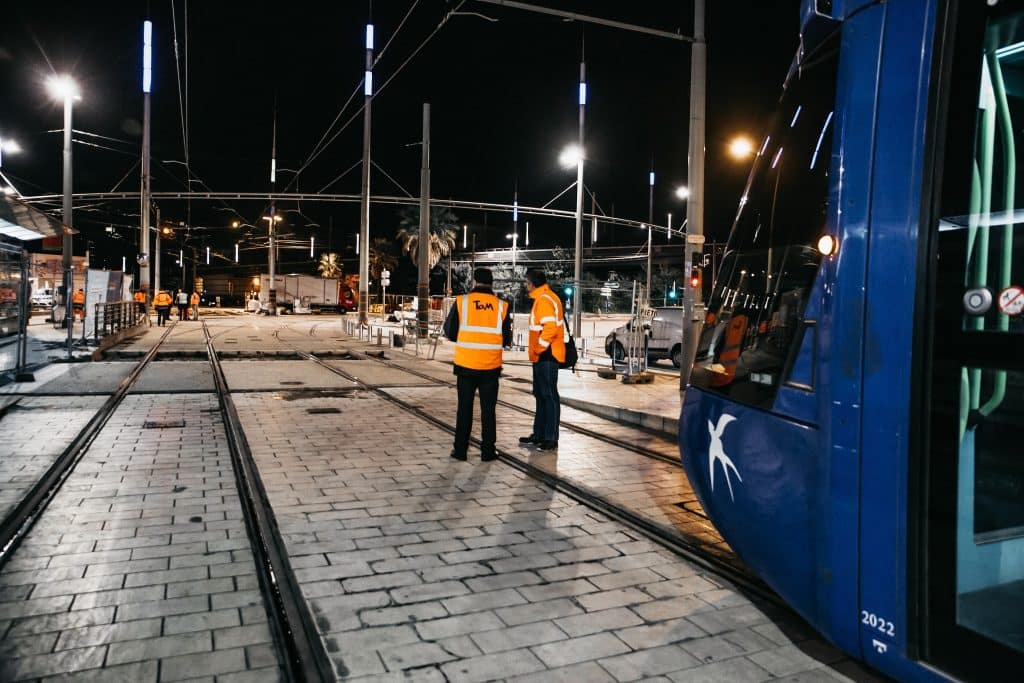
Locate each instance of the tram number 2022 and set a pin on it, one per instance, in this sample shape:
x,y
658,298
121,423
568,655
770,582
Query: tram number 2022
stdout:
x,y
878,623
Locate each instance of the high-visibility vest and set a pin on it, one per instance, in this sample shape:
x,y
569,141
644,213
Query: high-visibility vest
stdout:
x,y
162,299
547,325
194,301
140,297
730,353
78,298
478,344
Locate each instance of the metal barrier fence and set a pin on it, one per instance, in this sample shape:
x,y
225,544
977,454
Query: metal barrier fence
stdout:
x,y
115,316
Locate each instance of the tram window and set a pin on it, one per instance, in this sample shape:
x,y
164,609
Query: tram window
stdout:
x,y
772,259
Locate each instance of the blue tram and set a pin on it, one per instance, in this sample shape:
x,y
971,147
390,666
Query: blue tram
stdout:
x,y
854,423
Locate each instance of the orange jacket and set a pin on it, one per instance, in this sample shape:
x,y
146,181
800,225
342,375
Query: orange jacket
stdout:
x,y
547,325
194,300
140,296
78,297
479,341
162,299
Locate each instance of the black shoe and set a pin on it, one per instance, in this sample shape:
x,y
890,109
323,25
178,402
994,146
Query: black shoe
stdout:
x,y
488,456
547,446
529,440
456,456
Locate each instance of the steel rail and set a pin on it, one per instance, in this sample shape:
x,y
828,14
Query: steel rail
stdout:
x,y
19,521
292,623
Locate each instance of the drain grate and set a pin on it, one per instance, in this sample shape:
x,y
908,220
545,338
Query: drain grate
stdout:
x,y
322,411
162,424
292,382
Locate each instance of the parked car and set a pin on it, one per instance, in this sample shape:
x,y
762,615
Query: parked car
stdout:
x,y
43,298
664,338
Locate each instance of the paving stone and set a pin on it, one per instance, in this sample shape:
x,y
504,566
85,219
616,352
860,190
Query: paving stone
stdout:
x,y
64,620
589,672
27,645
201,621
473,622
662,633
136,672
614,598
413,656
518,636
595,622
375,638
430,591
158,648
561,589
420,611
478,602
538,611
672,608
108,633
580,649
652,661
38,666
744,642
184,667
738,669
784,661
27,608
493,666
498,581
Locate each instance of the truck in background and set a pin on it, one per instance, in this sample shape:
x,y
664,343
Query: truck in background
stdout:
x,y
307,294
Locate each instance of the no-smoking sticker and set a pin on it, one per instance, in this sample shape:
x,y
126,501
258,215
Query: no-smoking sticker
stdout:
x,y
1011,300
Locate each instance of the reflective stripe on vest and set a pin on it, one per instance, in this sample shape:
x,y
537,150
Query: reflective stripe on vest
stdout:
x,y
731,351
478,344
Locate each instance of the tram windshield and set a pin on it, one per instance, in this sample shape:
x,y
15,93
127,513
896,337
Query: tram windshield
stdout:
x,y
772,257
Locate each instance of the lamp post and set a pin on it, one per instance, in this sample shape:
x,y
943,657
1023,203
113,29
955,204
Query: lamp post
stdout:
x,y
514,236
8,146
147,82
63,88
573,156
650,233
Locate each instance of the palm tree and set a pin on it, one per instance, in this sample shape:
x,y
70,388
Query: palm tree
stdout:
x,y
443,232
329,265
381,257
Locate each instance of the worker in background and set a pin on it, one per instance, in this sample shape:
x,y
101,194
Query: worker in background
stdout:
x,y
78,303
194,305
140,303
546,351
480,325
182,304
162,302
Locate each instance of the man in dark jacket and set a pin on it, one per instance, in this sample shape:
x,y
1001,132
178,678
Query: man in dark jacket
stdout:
x,y
481,326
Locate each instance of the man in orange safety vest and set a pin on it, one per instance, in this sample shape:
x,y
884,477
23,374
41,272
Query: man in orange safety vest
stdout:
x,y
546,351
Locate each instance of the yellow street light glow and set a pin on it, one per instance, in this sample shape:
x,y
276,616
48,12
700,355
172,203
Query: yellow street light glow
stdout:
x,y
234,224
741,148
63,88
571,156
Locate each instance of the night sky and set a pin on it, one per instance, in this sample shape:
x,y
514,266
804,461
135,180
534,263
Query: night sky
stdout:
x,y
503,97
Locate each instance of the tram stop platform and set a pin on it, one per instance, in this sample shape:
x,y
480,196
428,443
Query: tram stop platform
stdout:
x,y
199,459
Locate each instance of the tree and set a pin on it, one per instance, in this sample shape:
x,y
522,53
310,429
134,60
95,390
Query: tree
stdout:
x,y
330,266
381,257
443,232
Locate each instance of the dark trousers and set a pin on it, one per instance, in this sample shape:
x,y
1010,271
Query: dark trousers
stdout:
x,y
549,408
467,386
163,313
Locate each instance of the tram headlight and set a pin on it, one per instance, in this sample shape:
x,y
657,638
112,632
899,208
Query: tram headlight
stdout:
x,y
828,245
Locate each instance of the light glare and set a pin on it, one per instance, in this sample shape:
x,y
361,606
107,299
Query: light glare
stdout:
x,y
740,148
683,192
571,156
63,88
147,56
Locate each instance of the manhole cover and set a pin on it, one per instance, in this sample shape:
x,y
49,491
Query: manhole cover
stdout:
x,y
292,382
322,411
162,424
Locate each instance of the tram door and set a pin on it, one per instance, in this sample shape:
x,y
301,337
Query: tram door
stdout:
x,y
973,539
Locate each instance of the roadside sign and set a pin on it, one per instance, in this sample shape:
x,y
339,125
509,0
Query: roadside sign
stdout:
x,y
1011,300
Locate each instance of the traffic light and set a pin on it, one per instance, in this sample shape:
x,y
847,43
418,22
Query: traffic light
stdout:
x,y
695,278
385,278
672,294
568,290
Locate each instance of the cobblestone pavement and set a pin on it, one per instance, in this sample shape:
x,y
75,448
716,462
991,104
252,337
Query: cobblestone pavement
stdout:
x,y
140,569
33,432
423,568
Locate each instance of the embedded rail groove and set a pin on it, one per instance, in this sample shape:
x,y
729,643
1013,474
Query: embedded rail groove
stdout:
x,y
19,522
291,622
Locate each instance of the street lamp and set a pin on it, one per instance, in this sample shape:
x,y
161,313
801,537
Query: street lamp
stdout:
x,y
571,156
514,236
682,192
63,88
271,258
8,146
741,147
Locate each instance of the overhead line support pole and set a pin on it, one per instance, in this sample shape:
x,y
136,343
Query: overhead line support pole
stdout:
x,y
364,203
423,252
577,295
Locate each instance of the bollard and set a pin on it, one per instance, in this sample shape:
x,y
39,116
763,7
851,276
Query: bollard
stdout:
x,y
378,336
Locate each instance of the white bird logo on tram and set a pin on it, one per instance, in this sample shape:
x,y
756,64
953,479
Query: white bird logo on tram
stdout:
x,y
717,452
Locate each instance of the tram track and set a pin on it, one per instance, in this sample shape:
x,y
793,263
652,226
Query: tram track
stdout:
x,y
302,653
659,533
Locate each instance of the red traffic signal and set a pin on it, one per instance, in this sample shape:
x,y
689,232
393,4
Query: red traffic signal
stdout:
x,y
695,276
